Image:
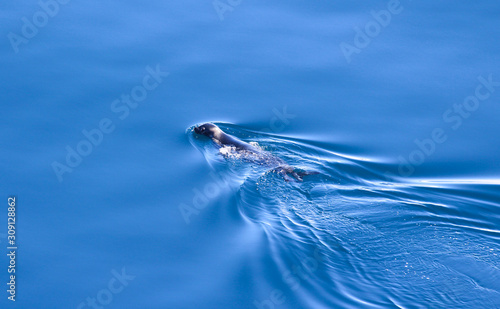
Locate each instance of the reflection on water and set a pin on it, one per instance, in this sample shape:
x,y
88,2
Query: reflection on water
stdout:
x,y
349,229
361,233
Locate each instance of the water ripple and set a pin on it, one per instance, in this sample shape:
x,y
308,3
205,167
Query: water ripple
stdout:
x,y
349,229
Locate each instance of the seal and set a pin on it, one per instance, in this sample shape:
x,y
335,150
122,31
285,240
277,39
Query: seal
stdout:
x,y
223,139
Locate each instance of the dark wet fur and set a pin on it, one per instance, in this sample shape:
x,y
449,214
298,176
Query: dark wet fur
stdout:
x,y
223,139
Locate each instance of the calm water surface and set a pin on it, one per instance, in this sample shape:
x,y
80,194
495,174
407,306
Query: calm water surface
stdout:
x,y
402,126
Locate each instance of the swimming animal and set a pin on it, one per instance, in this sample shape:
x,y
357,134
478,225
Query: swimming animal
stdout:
x,y
223,139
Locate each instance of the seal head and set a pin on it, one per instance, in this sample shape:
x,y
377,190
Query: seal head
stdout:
x,y
212,131
207,129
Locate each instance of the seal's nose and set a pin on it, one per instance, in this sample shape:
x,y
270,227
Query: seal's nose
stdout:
x,y
197,130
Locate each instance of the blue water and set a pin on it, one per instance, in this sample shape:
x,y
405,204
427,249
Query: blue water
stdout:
x,y
402,127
